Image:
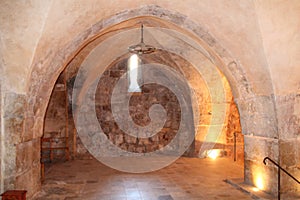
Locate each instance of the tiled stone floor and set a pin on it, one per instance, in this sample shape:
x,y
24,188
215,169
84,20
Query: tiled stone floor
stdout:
x,y
187,178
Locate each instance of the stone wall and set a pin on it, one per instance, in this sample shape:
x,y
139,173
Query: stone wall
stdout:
x,y
20,154
139,111
13,116
259,123
289,140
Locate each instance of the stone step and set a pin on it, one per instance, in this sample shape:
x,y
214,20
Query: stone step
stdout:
x,y
250,190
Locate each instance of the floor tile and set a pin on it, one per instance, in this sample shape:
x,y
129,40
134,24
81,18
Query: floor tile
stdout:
x,y
186,179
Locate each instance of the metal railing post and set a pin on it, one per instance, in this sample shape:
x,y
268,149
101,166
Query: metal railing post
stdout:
x,y
280,168
234,147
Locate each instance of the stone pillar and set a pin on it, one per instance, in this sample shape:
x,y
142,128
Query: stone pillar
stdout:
x,y
20,153
259,125
13,106
288,109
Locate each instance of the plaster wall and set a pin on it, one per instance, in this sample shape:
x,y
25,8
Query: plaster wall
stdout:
x,y
20,29
228,22
279,25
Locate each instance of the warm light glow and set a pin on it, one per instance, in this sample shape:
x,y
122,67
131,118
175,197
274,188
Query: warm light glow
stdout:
x,y
213,154
259,182
255,189
133,69
259,177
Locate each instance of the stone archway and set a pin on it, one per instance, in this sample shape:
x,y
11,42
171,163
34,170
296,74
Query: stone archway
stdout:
x,y
203,100
257,109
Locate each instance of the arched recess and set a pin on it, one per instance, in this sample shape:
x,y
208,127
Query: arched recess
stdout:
x,y
257,111
202,99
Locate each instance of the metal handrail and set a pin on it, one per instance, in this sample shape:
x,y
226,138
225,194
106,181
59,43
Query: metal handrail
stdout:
x,y
267,158
280,168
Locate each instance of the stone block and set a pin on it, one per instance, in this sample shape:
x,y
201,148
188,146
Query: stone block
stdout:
x,y
259,126
289,160
13,117
9,183
288,185
288,153
15,105
258,116
13,127
9,159
257,106
257,148
288,116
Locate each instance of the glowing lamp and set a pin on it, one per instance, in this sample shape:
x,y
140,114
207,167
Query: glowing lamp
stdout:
x,y
213,154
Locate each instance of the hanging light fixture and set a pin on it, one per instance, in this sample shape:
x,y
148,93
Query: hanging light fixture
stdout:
x,y
134,62
141,48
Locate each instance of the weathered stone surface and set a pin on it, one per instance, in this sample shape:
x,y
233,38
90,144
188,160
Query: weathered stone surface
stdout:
x,y
288,185
257,148
20,157
13,116
290,161
260,175
12,124
139,106
258,116
288,153
202,100
288,114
